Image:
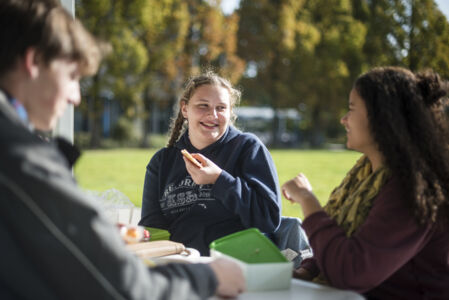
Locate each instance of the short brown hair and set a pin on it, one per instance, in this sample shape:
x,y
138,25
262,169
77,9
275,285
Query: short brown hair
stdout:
x,y
50,29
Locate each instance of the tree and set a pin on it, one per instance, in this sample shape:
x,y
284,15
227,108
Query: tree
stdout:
x,y
184,37
305,53
385,37
267,34
427,38
119,75
409,33
310,52
162,28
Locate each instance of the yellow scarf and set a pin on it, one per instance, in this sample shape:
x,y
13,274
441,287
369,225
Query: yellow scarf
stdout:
x,y
350,202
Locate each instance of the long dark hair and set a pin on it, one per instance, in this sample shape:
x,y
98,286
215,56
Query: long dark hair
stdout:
x,y
406,113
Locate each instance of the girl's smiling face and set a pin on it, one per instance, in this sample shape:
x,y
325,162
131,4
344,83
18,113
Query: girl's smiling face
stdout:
x,y
208,113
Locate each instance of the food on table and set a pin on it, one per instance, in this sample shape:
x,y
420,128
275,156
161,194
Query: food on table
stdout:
x,y
133,234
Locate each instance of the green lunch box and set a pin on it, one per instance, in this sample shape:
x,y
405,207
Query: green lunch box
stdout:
x,y
264,266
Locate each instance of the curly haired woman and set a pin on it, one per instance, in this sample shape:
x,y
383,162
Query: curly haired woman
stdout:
x,y
384,231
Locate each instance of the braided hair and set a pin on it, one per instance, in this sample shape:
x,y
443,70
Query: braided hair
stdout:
x,y
178,125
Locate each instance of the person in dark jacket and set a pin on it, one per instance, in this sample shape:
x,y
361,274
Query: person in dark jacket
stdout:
x,y
236,186
54,243
384,231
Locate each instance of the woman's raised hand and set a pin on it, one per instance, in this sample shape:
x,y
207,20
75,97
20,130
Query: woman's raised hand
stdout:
x,y
299,190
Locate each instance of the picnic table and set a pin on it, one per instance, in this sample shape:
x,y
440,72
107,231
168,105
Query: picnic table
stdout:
x,y
303,290
299,289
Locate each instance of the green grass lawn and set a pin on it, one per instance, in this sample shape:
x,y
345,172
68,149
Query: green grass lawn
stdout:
x,y
124,170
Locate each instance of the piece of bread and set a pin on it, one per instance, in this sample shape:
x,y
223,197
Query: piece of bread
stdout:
x,y
191,158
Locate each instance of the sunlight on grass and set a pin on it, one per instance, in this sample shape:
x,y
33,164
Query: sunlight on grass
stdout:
x,y
124,170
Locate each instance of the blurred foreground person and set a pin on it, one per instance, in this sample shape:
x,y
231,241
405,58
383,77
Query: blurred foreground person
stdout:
x,y
384,231
55,244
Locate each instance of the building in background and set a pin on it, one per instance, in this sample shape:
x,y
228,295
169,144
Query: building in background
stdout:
x,y
259,120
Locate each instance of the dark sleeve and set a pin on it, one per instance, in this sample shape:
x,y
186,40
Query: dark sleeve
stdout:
x,y
387,240
310,265
75,250
254,195
151,215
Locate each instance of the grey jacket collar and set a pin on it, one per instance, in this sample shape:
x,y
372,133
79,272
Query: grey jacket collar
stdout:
x,y
70,152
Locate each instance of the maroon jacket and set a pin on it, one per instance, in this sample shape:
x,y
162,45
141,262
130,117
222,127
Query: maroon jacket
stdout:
x,y
389,257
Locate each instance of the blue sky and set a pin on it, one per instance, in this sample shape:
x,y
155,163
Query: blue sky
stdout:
x,y
229,6
442,4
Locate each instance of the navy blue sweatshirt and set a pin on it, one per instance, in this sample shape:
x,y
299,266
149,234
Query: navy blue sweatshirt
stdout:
x,y
245,195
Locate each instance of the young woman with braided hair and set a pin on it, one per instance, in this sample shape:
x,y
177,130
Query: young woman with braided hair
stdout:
x,y
236,186
384,231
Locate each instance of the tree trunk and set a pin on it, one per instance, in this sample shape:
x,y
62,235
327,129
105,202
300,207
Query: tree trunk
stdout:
x,y
412,53
145,143
275,142
316,136
95,113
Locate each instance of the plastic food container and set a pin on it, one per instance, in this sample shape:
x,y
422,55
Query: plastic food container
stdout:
x,y
264,266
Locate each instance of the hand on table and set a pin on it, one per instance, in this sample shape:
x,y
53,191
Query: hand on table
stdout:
x,y
303,274
207,174
231,281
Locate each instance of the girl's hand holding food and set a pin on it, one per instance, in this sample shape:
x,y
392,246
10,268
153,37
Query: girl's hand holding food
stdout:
x,y
207,174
